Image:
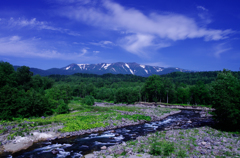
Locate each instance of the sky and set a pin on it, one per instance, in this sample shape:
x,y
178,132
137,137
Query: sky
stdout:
x,y
199,35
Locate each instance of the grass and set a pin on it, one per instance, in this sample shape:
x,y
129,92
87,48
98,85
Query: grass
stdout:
x,y
161,148
82,117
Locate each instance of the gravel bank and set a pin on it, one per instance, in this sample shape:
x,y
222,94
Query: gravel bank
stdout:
x,y
196,142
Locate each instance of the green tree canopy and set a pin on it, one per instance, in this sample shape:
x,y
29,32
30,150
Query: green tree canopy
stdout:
x,y
152,87
226,99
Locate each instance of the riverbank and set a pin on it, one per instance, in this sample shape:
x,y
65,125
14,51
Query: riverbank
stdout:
x,y
77,123
176,106
196,142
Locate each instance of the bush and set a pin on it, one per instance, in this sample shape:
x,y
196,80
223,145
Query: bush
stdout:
x,y
161,148
62,107
88,100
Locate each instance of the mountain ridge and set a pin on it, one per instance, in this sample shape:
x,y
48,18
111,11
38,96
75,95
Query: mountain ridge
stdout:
x,y
103,68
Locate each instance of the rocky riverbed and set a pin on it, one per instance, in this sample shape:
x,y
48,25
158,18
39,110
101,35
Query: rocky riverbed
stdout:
x,y
195,142
50,132
77,146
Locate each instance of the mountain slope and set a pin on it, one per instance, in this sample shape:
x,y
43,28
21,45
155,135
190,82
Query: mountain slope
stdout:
x,y
103,68
122,68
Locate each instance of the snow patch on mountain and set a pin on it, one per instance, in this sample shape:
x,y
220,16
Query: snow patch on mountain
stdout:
x,y
143,66
159,69
113,69
107,65
131,71
82,66
146,71
127,65
68,67
129,68
124,68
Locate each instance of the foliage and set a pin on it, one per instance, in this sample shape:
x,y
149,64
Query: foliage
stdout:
x,y
161,148
88,100
153,87
135,117
226,99
22,95
181,153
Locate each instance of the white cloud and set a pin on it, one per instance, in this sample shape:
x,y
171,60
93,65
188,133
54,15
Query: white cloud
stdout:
x,y
144,28
17,47
96,51
33,23
204,15
15,38
84,51
73,1
221,48
136,42
104,44
202,8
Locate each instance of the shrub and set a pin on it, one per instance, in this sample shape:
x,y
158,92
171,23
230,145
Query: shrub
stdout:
x,y
161,148
88,100
62,107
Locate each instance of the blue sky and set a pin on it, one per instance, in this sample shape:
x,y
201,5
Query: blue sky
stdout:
x,y
191,34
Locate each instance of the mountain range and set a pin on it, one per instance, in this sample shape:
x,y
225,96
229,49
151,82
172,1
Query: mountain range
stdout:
x,y
103,68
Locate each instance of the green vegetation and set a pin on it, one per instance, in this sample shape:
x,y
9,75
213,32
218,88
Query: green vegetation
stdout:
x,y
88,100
129,89
226,99
163,148
23,95
88,117
169,144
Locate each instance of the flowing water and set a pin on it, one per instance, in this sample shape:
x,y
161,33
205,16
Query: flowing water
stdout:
x,y
78,146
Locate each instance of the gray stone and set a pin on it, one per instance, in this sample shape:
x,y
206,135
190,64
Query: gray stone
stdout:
x,y
208,146
103,148
203,152
124,144
89,156
119,152
207,139
203,143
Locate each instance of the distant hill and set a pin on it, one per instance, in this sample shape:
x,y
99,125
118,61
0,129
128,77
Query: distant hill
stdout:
x,y
103,68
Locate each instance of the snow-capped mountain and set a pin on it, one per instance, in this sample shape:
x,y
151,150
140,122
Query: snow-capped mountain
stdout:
x,y
103,68
121,68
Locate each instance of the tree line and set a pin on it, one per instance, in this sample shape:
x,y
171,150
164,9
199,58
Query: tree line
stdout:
x,y
23,95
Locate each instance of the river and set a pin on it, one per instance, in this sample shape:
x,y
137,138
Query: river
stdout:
x,y
78,146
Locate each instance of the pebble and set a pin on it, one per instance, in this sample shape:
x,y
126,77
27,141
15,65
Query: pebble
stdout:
x,y
203,143
103,148
119,152
124,144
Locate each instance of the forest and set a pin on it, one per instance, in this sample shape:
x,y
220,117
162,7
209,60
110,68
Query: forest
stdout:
x,y
23,95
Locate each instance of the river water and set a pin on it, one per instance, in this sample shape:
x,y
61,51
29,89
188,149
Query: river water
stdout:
x,y
78,146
